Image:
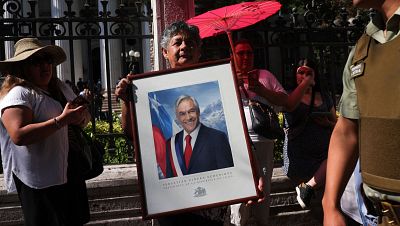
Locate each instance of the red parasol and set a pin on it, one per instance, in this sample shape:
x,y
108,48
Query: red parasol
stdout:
x,y
233,17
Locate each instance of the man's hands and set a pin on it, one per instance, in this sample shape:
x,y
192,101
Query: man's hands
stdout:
x,y
260,190
121,88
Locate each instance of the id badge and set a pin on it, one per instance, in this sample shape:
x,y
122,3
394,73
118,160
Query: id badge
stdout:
x,y
357,70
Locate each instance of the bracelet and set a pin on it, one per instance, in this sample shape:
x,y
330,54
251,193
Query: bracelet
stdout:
x,y
57,123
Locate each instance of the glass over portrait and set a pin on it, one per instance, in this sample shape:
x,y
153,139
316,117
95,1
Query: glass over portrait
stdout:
x,y
191,141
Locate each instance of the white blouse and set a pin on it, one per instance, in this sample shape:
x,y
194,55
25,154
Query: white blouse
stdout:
x,y
42,164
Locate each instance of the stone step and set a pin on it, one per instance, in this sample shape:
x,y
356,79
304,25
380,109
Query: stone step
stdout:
x,y
294,218
129,221
283,201
11,215
115,203
129,207
11,223
115,105
115,214
5,198
114,200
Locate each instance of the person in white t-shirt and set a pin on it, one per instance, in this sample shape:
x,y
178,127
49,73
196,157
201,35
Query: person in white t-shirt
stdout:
x,y
34,136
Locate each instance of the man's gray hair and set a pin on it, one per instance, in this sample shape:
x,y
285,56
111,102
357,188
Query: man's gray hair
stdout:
x,y
180,27
187,97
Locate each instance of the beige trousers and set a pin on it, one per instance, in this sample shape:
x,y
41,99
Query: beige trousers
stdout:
x,y
257,213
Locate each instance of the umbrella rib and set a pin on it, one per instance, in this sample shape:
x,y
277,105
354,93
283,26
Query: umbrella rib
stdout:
x,y
226,26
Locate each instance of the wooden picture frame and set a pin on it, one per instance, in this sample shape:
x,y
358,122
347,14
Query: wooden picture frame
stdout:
x,y
213,178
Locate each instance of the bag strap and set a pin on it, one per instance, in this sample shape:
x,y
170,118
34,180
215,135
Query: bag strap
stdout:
x,y
86,136
311,102
246,94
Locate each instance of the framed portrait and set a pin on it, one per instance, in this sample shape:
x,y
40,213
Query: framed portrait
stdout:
x,y
191,141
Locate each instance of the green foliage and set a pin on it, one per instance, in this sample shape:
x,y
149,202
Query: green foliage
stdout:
x,y
116,144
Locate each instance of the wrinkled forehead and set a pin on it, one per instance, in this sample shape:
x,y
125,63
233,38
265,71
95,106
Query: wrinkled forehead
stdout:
x,y
185,102
184,35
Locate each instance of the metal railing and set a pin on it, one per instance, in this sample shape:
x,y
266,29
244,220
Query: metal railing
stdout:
x,y
92,24
323,30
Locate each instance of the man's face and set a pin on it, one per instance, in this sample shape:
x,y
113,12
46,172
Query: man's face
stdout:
x,y
182,51
187,115
244,57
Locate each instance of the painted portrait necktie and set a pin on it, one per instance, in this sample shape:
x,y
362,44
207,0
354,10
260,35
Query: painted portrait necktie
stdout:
x,y
188,150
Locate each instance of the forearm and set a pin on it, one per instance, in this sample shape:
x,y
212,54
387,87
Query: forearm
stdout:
x,y
276,98
35,132
126,120
121,92
342,157
294,98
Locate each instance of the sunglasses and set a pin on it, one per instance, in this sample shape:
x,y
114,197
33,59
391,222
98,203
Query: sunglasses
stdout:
x,y
242,53
39,60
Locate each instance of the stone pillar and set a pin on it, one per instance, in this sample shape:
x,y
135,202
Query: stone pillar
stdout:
x,y
164,13
64,71
114,47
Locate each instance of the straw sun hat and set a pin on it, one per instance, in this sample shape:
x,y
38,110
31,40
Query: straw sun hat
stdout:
x,y
27,47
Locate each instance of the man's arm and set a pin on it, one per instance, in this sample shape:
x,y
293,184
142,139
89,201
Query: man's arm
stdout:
x,y
126,120
342,158
121,92
295,97
289,102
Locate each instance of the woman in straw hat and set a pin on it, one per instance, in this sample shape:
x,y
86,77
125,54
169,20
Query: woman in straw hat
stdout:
x,y
35,114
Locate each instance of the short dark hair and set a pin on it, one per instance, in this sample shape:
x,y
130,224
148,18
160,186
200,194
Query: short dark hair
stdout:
x,y
309,63
312,64
179,27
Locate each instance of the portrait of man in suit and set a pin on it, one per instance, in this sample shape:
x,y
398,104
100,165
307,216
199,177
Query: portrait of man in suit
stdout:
x,y
197,148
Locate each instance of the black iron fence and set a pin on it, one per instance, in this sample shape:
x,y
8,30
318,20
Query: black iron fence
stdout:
x,y
94,25
323,30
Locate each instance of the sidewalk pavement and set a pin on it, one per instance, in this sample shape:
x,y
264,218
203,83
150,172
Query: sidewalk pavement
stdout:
x,y
124,174
113,175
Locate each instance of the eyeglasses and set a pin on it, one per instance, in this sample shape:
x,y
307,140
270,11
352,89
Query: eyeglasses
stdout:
x,y
39,60
242,53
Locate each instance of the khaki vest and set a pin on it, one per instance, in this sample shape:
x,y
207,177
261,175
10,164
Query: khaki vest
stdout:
x,y
376,70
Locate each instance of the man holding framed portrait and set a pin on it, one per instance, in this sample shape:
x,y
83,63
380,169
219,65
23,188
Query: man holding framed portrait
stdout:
x,y
181,47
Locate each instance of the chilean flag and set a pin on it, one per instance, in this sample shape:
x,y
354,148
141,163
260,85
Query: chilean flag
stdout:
x,y
162,125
